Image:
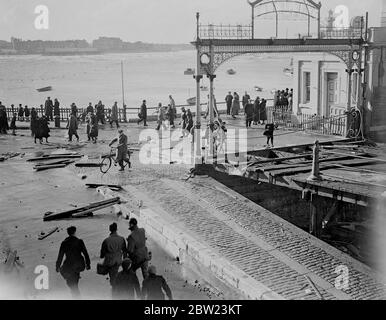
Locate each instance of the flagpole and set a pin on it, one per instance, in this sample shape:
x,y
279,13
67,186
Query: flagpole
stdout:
x,y
123,95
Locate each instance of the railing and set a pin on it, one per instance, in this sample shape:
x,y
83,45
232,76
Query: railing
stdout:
x,y
341,33
334,125
225,31
127,114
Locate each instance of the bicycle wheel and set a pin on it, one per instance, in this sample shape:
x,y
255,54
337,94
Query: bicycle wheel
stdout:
x,y
105,165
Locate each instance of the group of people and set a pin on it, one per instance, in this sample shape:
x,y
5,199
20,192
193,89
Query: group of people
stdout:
x,y
283,99
117,253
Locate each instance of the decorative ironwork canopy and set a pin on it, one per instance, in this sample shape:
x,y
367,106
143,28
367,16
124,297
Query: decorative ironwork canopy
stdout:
x,y
287,10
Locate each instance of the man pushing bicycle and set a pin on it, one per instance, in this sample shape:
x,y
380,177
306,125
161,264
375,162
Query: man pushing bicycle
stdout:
x,y
122,150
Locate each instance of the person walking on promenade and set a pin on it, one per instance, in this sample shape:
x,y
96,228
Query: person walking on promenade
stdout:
x,y
76,261
269,129
173,109
100,112
90,108
248,111
153,285
235,105
3,119
26,113
263,111
72,126
246,99
161,117
122,149
48,109
74,109
94,127
57,113
34,123
184,122
112,251
126,285
20,113
136,248
142,115
256,110
190,123
88,125
45,129
228,100
13,124
114,115
171,116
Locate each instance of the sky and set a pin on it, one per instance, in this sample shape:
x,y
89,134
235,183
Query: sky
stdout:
x,y
160,21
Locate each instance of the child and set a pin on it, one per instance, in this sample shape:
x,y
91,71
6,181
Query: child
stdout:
x,y
269,128
13,124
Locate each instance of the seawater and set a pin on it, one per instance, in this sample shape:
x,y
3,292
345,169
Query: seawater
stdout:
x,y
151,76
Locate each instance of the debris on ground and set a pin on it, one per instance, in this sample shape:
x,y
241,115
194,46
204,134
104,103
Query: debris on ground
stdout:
x,y
87,165
9,155
44,235
113,187
81,211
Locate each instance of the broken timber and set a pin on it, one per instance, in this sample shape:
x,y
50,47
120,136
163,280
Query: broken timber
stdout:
x,y
51,157
97,185
87,165
49,216
43,236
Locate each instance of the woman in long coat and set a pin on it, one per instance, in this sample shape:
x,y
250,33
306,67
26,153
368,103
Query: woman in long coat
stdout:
x,y
263,111
235,105
72,126
256,110
34,122
94,127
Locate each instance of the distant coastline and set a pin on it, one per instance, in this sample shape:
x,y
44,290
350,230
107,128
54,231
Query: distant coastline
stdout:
x,y
82,47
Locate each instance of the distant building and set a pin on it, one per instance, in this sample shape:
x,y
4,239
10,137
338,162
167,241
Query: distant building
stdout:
x,y
40,46
108,44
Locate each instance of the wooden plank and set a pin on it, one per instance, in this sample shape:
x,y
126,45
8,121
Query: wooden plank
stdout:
x,y
53,166
81,210
43,236
317,292
66,161
51,157
87,165
279,160
97,185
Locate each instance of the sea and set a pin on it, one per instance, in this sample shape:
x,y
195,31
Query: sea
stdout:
x,y
151,76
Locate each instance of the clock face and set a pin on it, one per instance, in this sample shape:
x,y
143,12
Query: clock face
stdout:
x,y
205,59
355,55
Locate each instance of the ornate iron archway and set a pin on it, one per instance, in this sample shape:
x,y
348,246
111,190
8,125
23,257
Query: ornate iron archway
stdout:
x,y
216,44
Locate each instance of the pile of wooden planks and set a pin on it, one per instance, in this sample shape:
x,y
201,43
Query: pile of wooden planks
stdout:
x,y
54,161
52,165
81,211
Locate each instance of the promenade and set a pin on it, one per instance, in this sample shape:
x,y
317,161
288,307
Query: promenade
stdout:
x,y
209,227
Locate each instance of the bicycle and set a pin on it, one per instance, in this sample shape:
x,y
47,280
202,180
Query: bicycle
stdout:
x,y
111,158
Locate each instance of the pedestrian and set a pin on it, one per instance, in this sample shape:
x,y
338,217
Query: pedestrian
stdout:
x,y
114,115
94,128
189,125
90,108
235,105
154,285
48,109
100,112
122,149
246,99
126,285
26,113
256,110
112,251
76,261
248,111
44,128
136,248
263,111
34,123
269,129
13,124
20,113
171,116
142,115
228,100
88,125
184,122
3,119
173,107
57,113
72,126
161,117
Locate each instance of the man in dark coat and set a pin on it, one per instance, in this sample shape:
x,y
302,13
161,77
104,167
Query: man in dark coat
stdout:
x,y
256,110
143,114
48,108
153,285
26,113
246,99
229,100
90,108
126,283
3,119
20,114
112,250
114,115
136,247
248,111
100,112
263,111
77,260
122,149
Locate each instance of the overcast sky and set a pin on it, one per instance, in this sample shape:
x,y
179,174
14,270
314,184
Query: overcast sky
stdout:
x,y
162,21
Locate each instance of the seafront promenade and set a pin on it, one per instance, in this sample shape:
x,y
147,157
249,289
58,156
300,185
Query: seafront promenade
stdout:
x,y
233,243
